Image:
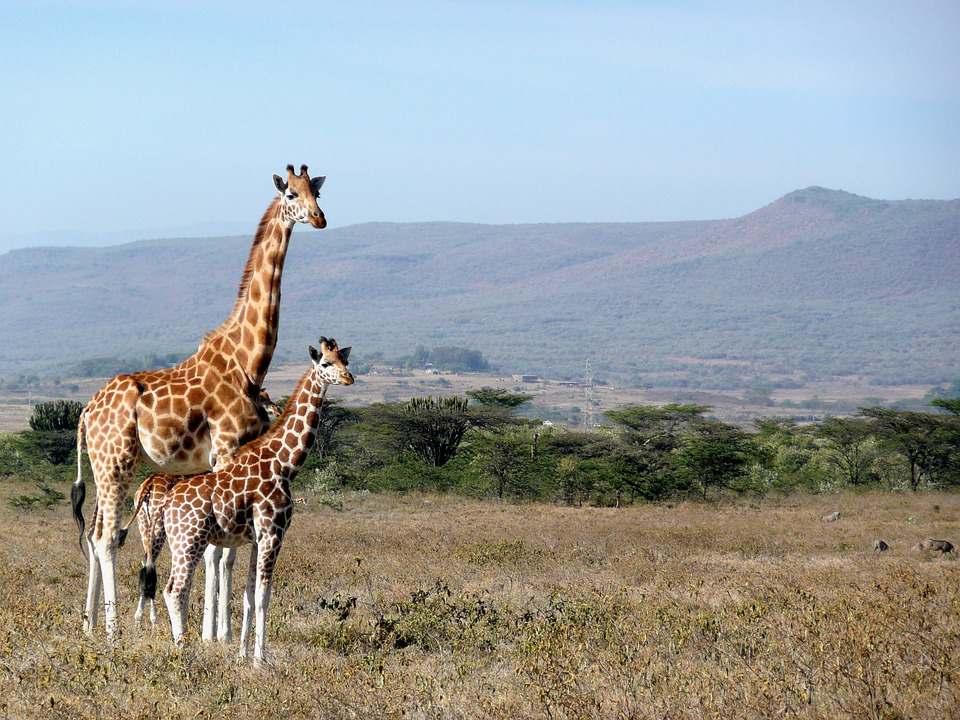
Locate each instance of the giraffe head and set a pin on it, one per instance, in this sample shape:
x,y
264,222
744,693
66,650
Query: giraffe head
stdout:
x,y
266,404
330,362
298,197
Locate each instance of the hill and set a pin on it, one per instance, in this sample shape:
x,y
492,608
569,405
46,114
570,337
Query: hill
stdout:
x,y
818,283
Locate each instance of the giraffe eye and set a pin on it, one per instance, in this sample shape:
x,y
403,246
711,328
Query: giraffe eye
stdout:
x,y
324,363
291,197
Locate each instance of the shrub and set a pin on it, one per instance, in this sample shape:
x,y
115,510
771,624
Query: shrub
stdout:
x,y
58,415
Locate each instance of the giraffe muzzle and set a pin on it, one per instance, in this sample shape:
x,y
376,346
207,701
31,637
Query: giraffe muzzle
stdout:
x,y
318,220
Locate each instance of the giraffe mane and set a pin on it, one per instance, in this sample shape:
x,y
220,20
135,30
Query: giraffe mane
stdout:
x,y
248,270
265,222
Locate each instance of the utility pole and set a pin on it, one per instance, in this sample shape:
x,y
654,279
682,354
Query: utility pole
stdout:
x,y
588,394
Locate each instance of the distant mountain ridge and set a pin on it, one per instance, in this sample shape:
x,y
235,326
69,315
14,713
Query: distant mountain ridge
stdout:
x,y
819,282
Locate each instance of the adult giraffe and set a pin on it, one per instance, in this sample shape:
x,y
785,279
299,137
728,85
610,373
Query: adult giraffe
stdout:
x,y
191,417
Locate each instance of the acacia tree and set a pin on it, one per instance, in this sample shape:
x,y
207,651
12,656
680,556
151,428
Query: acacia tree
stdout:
x,y
511,458
646,437
851,449
950,405
928,442
713,455
568,475
333,418
430,428
498,397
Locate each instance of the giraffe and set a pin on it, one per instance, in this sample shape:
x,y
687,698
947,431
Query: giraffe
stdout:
x,y
191,417
246,500
218,562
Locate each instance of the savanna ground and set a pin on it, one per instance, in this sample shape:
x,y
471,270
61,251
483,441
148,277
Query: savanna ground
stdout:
x,y
476,609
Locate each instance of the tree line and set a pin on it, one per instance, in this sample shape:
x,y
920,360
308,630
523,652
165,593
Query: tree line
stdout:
x,y
478,445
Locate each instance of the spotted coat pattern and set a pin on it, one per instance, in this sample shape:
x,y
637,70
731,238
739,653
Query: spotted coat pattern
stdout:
x,y
191,417
247,500
148,513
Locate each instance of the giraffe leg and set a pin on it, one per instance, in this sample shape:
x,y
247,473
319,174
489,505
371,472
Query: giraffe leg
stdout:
x,y
248,603
185,554
93,588
211,571
266,560
113,453
107,555
138,613
176,595
224,607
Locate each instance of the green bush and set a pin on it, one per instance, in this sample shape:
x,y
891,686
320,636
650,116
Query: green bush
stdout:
x,y
58,415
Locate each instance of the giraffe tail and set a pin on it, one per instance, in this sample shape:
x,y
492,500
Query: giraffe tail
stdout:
x,y
142,493
148,581
79,491
148,573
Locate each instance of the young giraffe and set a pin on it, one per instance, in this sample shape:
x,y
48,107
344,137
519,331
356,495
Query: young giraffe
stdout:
x,y
218,562
190,417
247,500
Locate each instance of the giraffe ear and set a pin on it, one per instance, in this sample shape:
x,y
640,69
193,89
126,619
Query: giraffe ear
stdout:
x,y
280,183
317,183
345,353
314,355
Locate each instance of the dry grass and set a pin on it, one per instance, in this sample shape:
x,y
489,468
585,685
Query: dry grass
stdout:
x,y
470,609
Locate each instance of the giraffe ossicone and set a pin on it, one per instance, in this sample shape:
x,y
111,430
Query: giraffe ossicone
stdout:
x,y
186,418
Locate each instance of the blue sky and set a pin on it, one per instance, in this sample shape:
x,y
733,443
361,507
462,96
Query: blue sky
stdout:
x,y
127,115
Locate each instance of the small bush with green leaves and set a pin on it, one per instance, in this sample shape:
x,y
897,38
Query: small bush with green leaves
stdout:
x,y
56,415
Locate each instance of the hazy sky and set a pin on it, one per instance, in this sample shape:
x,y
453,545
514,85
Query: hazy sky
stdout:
x,y
132,115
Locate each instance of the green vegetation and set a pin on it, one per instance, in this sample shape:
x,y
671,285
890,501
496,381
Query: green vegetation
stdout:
x,y
55,416
482,448
51,441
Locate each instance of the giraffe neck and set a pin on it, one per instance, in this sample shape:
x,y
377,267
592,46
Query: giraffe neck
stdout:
x,y
297,425
251,329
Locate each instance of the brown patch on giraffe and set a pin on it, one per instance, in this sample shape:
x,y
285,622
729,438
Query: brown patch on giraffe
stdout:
x,y
219,363
209,382
195,396
195,421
